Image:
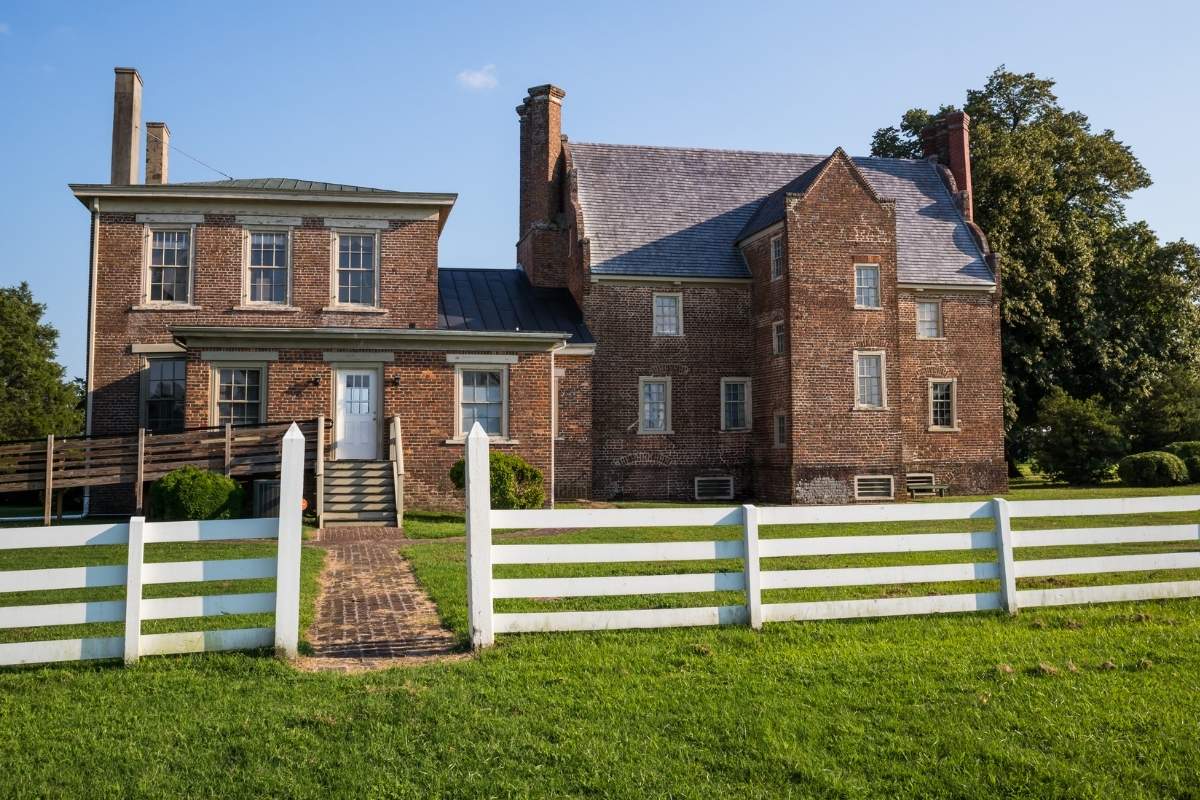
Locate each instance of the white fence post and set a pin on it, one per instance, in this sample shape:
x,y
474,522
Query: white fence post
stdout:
x,y
479,538
133,590
753,579
287,572
1004,555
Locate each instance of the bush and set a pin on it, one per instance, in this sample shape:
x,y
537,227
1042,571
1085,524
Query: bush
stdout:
x,y
1079,441
191,493
1154,468
1190,453
515,484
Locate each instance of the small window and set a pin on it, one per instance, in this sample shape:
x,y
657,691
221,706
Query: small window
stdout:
x,y
655,411
356,269
776,257
170,273
778,338
668,315
165,387
942,405
267,278
481,397
929,319
781,427
873,487
866,286
240,395
735,404
871,383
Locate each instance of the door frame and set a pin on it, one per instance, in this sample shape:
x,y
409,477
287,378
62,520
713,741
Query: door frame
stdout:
x,y
335,390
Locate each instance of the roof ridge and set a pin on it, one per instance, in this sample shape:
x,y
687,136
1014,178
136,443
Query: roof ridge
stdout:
x,y
671,148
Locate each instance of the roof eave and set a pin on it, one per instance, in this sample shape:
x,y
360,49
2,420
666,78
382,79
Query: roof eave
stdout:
x,y
86,191
379,338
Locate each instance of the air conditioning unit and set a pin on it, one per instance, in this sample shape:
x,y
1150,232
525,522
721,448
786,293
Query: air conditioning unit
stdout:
x,y
266,498
714,487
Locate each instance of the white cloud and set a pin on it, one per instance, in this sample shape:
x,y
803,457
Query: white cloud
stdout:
x,y
4,29
479,79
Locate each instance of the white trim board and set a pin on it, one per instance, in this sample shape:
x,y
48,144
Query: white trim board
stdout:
x,y
480,358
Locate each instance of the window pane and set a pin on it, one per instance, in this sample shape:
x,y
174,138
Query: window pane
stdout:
x,y
941,404
482,401
165,395
666,315
654,406
866,286
735,405
239,395
169,274
870,380
929,319
356,269
776,257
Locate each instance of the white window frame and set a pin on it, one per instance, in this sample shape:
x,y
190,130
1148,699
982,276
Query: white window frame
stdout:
x,y
669,425
459,369
953,405
878,286
749,404
777,261
883,395
214,387
779,432
247,235
335,244
148,232
778,338
678,313
891,487
941,331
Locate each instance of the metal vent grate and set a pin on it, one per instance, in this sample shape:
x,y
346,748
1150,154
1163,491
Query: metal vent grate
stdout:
x,y
918,479
873,487
717,487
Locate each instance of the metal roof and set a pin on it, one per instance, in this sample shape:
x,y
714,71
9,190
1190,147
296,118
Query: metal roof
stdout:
x,y
504,300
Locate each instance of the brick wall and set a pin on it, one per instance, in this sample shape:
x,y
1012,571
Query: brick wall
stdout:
x,y
573,447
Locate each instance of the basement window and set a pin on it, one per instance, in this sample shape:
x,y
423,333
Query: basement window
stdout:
x,y
873,487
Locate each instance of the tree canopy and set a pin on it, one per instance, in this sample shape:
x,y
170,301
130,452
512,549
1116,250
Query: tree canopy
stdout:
x,y
35,397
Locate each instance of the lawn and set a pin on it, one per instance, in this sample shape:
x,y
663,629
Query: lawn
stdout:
x,y
1072,702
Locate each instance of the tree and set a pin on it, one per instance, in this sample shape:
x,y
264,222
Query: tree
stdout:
x,y
35,398
1091,303
1078,441
1170,413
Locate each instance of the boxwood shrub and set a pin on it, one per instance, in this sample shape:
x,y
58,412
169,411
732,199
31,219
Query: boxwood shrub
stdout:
x,y
515,482
1190,453
1155,468
192,493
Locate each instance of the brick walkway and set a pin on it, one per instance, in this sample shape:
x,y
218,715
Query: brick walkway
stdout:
x,y
371,613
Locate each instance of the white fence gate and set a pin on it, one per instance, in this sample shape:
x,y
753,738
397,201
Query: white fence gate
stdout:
x,y
136,573
752,580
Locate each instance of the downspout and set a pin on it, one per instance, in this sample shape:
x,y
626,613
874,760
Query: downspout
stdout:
x,y
91,337
553,417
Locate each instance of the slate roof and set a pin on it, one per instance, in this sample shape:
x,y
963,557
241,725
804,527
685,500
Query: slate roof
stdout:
x,y
678,212
504,300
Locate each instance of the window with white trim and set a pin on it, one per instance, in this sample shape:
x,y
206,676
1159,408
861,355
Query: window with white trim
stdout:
x,y
668,314
163,394
267,267
357,269
735,404
942,402
481,397
781,427
873,487
654,405
169,271
866,286
776,257
778,338
929,319
241,394
870,380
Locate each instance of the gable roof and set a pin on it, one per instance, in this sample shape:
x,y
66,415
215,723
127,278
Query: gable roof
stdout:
x,y
679,212
505,300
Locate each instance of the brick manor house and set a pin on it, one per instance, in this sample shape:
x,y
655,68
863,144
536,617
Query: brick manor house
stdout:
x,y
682,322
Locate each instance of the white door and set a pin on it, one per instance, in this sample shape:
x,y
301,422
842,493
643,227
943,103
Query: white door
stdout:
x,y
357,414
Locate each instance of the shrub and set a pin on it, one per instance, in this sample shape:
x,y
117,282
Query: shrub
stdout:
x,y
1153,468
1079,440
1184,450
191,493
515,483
1193,467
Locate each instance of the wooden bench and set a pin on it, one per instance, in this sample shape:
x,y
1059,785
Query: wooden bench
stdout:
x,y
928,490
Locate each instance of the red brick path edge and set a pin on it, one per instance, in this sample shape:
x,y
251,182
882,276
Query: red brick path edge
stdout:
x,y
371,613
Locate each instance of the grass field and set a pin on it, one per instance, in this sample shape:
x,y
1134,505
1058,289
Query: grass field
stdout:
x,y
1074,702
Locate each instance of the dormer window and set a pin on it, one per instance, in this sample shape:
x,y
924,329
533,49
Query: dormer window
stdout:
x,y
866,286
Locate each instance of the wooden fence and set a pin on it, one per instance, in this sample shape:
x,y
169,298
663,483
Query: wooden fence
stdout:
x,y
136,573
752,580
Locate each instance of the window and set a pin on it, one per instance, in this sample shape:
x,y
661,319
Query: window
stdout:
x,y
240,395
268,267
356,269
776,257
871,390
164,394
481,399
866,286
170,267
655,405
735,404
778,338
941,405
668,315
781,430
873,487
929,319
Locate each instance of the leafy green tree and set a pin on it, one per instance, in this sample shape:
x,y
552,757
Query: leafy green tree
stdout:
x,y
35,398
1169,413
1078,441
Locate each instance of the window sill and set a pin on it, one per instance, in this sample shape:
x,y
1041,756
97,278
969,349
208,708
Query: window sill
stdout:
x,y
667,335
270,308
867,308
936,429
656,433
931,338
857,407
165,307
735,430
353,310
491,440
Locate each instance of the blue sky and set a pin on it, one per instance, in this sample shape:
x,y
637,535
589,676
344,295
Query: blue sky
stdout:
x,y
420,97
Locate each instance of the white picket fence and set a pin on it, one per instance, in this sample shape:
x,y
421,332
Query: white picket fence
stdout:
x,y
752,580
284,602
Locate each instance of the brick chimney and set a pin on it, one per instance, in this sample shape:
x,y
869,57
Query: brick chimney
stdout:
x,y
158,142
541,156
127,119
949,140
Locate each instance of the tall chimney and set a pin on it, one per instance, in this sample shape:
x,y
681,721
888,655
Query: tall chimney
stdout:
x,y
541,156
127,118
158,141
949,140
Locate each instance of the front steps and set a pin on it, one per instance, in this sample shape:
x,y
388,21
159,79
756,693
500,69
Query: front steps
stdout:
x,y
359,493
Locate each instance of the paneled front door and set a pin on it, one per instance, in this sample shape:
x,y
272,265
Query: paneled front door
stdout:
x,y
357,414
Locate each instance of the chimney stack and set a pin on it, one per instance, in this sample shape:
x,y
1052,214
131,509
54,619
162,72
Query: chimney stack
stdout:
x,y
127,118
949,140
158,141
541,156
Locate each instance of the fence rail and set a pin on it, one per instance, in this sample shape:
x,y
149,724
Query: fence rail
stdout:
x,y
137,573
996,562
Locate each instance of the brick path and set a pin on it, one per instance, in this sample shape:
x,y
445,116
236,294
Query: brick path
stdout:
x,y
371,613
